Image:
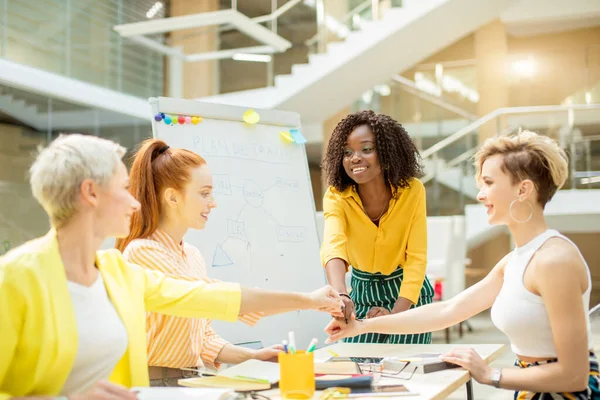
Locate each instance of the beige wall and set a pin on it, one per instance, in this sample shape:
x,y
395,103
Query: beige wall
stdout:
x,y
566,62
199,78
588,245
484,257
491,49
562,62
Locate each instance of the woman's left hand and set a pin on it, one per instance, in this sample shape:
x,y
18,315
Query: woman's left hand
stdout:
x,y
378,312
471,361
269,353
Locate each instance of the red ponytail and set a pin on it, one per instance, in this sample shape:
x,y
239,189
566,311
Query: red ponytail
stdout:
x,y
155,168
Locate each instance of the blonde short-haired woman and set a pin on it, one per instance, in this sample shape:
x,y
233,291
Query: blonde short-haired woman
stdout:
x,y
72,318
539,293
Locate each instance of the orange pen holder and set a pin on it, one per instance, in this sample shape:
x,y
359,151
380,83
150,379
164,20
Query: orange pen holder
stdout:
x,y
297,375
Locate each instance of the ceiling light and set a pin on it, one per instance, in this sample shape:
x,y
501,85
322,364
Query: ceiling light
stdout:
x,y
383,90
525,68
264,58
588,97
593,179
154,9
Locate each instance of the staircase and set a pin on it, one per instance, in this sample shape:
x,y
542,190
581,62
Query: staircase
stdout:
x,y
402,37
573,209
31,110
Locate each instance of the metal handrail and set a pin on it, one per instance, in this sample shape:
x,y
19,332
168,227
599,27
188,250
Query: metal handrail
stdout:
x,y
412,88
442,144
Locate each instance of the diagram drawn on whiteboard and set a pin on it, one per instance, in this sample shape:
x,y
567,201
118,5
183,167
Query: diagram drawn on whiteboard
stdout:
x,y
236,248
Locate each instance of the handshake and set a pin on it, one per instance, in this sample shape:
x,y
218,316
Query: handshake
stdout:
x,y
342,309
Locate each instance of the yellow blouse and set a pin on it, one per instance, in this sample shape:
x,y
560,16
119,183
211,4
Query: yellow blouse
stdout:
x,y
38,331
400,240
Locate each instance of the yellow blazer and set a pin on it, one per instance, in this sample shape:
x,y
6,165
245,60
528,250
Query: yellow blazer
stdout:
x,y
38,332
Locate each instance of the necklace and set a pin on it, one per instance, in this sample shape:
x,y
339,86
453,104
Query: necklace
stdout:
x,y
385,207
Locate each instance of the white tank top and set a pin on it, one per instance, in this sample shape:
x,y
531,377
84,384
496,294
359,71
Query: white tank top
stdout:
x,y
522,315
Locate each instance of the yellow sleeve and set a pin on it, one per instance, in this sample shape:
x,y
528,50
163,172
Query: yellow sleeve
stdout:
x,y
197,299
12,312
416,250
334,236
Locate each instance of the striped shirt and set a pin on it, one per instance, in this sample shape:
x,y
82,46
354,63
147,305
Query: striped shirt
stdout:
x,y
173,341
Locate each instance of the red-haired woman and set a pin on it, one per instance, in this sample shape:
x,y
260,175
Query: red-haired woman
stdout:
x,y
174,187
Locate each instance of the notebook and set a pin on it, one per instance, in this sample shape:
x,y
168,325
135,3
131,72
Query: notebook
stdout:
x,y
224,382
247,376
339,367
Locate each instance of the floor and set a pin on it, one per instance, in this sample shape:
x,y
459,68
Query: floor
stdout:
x,y
483,332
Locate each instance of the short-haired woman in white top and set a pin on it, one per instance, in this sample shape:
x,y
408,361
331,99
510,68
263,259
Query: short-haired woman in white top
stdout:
x,y
539,293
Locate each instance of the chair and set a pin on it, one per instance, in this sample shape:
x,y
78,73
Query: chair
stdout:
x,y
446,257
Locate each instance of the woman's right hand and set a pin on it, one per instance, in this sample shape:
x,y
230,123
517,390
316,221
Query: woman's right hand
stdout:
x,y
103,390
326,299
349,311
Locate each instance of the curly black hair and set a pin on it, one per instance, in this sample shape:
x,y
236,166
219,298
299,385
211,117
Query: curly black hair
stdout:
x,y
398,156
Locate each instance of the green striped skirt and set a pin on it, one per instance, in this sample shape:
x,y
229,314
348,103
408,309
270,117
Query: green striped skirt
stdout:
x,y
378,290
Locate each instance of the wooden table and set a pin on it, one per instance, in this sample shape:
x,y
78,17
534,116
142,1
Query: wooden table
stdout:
x,y
432,386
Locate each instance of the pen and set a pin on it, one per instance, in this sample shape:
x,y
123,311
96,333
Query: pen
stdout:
x,y
333,353
312,345
344,312
285,346
292,342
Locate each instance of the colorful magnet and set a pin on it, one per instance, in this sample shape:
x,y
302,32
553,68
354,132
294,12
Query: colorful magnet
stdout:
x,y
167,120
188,120
181,119
158,117
251,117
286,137
174,120
297,135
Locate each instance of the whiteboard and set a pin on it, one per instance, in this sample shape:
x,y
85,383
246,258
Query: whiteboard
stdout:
x,y
262,232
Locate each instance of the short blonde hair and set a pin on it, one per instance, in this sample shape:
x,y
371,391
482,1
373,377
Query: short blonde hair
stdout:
x,y
528,155
61,167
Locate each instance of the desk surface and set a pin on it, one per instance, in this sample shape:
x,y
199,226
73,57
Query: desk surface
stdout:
x,y
432,386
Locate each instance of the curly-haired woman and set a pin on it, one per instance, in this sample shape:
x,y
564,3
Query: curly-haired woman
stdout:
x,y
375,221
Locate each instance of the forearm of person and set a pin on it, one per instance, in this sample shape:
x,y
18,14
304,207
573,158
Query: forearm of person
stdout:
x,y
552,377
35,398
431,317
401,305
232,354
336,274
273,302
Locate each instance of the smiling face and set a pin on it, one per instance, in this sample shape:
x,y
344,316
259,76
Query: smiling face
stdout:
x,y
497,192
360,156
116,205
197,200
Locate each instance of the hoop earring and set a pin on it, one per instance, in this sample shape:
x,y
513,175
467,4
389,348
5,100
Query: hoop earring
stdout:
x,y
510,212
